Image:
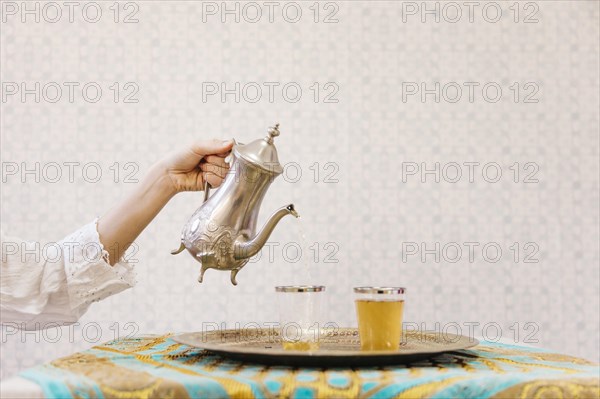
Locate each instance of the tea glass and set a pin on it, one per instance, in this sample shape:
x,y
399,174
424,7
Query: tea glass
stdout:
x,y
379,311
299,316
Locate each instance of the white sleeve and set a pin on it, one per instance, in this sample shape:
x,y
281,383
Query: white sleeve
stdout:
x,y
45,284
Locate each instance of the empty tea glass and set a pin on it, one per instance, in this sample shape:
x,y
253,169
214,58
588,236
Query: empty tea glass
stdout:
x,y
299,316
379,311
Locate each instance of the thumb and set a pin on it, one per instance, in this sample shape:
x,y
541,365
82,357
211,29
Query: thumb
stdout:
x,y
214,146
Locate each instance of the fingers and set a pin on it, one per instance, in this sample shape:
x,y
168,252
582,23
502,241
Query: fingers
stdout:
x,y
222,155
219,170
216,160
214,169
212,179
214,164
214,146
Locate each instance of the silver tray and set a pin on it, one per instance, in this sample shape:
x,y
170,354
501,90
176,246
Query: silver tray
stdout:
x,y
338,347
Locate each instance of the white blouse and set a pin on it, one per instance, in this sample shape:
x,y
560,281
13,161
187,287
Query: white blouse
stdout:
x,y
45,285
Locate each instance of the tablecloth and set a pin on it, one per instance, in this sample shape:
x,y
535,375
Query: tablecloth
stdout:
x,y
158,367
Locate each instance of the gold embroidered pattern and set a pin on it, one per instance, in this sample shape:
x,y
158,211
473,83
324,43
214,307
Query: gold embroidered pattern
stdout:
x,y
116,381
555,389
148,367
426,390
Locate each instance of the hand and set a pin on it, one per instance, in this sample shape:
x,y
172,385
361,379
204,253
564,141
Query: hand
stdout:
x,y
185,170
202,161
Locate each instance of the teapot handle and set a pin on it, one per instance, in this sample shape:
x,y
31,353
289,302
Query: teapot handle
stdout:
x,y
206,190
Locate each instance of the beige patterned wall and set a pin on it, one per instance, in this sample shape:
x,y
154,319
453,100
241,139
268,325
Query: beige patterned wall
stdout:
x,y
361,148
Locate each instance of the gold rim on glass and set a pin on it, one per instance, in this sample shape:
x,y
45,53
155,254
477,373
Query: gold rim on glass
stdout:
x,y
379,290
300,288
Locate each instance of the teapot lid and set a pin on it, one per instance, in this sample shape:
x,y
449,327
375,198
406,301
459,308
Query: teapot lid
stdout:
x,y
261,152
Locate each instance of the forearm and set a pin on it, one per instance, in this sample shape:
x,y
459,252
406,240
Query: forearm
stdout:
x,y
124,222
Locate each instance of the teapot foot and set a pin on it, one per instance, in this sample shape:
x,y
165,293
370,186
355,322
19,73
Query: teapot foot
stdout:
x,y
178,250
234,273
202,270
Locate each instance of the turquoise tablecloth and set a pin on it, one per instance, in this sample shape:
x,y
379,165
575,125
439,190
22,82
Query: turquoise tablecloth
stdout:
x,y
156,366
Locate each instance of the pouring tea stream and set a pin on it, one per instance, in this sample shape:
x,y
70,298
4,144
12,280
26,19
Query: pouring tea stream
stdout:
x,y
221,234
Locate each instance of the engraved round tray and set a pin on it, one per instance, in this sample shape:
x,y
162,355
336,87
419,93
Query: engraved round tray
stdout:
x,y
338,347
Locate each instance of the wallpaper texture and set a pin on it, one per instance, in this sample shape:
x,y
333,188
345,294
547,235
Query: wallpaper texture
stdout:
x,y
448,148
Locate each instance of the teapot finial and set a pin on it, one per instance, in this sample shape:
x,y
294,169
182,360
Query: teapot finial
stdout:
x,y
273,132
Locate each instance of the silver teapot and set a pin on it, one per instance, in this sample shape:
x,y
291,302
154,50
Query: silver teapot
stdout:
x,y
221,234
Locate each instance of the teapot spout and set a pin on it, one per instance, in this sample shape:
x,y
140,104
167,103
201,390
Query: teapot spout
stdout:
x,y
247,249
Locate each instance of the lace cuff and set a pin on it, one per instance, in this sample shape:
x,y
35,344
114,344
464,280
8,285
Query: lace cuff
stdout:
x,y
90,278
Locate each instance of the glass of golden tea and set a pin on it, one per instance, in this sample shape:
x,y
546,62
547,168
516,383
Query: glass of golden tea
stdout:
x,y
379,311
299,316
